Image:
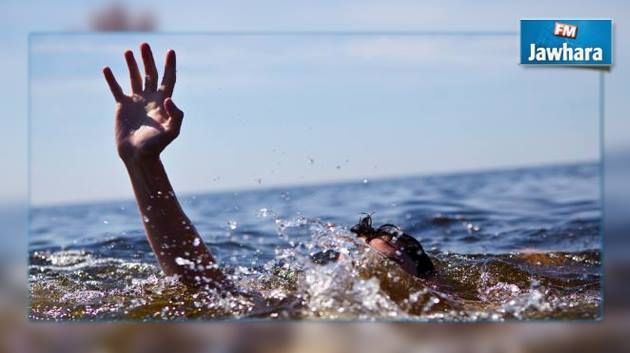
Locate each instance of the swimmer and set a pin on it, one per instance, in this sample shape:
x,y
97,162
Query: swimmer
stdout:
x,y
146,121
396,245
389,241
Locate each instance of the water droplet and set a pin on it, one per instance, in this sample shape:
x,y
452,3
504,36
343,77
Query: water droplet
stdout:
x,y
232,224
184,262
264,212
472,228
146,219
105,222
365,181
196,242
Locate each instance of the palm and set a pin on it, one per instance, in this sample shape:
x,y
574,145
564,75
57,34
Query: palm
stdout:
x,y
142,125
147,120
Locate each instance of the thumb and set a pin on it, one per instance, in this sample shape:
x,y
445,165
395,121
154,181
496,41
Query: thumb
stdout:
x,y
175,114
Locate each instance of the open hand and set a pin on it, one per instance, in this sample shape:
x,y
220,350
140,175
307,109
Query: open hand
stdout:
x,y
146,120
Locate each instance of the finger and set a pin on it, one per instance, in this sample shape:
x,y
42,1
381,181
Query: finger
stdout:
x,y
168,80
134,73
150,71
176,116
117,92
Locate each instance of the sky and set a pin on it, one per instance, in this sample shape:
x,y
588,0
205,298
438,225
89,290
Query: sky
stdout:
x,y
269,110
440,139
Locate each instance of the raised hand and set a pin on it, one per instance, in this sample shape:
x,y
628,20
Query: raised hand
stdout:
x,y
146,120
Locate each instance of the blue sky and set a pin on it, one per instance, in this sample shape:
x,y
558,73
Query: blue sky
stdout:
x,y
291,109
18,18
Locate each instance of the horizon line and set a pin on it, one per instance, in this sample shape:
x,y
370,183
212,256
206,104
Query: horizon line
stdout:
x,y
343,181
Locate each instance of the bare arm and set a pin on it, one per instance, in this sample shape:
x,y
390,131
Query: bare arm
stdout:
x,y
146,121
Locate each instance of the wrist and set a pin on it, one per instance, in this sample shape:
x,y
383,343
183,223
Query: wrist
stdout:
x,y
138,160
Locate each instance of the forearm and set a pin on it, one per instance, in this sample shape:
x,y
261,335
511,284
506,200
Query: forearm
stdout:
x,y
174,240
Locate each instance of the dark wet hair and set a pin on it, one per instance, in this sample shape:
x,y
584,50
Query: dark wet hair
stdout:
x,y
364,227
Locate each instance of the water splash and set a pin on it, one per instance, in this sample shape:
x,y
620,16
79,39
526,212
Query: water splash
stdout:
x,y
74,284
